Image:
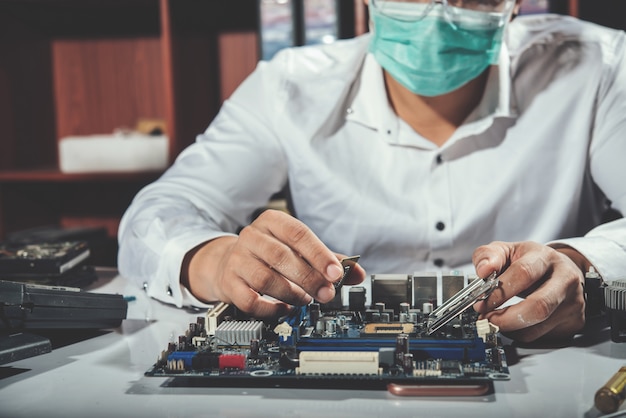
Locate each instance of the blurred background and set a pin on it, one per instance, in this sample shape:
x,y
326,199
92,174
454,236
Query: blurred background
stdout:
x,y
97,97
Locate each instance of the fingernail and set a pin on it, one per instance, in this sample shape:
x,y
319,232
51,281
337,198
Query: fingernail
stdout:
x,y
325,294
480,265
334,272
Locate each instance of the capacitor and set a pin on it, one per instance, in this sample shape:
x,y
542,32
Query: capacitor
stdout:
x,y
331,327
427,308
403,317
314,313
384,317
320,326
182,342
404,307
402,348
380,306
369,315
407,363
254,348
610,396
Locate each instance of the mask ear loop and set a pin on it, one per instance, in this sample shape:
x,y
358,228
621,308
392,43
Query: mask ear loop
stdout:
x,y
446,12
431,6
507,13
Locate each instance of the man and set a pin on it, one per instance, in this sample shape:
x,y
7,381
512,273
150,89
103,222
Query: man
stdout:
x,y
447,138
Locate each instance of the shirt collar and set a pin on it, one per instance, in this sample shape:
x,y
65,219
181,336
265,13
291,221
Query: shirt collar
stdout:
x,y
370,106
496,102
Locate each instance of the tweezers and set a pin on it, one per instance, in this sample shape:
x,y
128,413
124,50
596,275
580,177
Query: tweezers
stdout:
x,y
478,289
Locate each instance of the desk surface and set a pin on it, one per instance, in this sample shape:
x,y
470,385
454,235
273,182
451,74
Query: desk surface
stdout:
x,y
104,376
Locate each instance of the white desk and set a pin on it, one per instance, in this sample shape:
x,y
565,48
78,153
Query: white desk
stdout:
x,y
103,377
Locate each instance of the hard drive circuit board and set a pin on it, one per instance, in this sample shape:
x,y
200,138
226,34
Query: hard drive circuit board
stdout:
x,y
353,346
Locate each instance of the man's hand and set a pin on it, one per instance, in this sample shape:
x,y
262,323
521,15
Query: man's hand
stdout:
x,y
551,281
276,255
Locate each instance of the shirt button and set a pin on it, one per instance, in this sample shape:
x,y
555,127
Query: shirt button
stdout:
x,y
439,159
438,262
440,226
169,291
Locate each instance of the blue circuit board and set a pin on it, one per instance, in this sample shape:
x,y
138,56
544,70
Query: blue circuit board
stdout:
x,y
381,345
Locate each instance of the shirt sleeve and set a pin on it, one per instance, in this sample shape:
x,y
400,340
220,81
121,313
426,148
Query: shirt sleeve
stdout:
x,y
211,190
605,245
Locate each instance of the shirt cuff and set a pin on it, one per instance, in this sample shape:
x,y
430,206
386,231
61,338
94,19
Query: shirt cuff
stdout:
x,y
605,255
166,286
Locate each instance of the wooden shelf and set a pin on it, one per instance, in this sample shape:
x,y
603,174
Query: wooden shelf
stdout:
x,y
55,176
82,67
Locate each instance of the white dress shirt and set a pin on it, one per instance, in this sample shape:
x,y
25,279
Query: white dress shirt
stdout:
x,y
537,160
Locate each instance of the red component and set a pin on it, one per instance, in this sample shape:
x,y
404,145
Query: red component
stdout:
x,y
232,361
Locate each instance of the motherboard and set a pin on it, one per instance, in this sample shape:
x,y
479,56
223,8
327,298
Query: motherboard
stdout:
x,y
377,342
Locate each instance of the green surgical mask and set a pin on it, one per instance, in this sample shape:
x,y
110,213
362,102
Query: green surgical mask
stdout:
x,y
436,54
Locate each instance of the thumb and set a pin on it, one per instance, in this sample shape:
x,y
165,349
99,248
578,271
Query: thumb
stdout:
x,y
494,256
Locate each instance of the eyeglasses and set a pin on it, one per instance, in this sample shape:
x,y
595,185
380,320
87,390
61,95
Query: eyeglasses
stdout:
x,y
455,11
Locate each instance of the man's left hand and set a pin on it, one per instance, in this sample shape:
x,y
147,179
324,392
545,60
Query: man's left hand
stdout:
x,y
551,281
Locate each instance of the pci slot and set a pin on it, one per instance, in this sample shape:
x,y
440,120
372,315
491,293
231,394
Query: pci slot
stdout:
x,y
338,362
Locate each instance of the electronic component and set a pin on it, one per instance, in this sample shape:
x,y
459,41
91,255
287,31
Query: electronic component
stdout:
x,y
424,288
347,264
479,289
610,396
26,306
215,316
451,284
238,332
18,346
353,346
391,289
54,258
615,302
338,362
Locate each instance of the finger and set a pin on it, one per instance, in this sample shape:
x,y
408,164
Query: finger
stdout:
x,y
283,261
251,302
261,240
299,237
563,323
492,257
487,259
356,274
519,276
527,334
548,310
531,311
269,282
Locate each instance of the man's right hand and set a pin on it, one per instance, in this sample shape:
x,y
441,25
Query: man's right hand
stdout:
x,y
277,256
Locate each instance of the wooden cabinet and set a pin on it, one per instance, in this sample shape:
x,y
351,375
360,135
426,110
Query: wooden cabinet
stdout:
x,y
80,67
